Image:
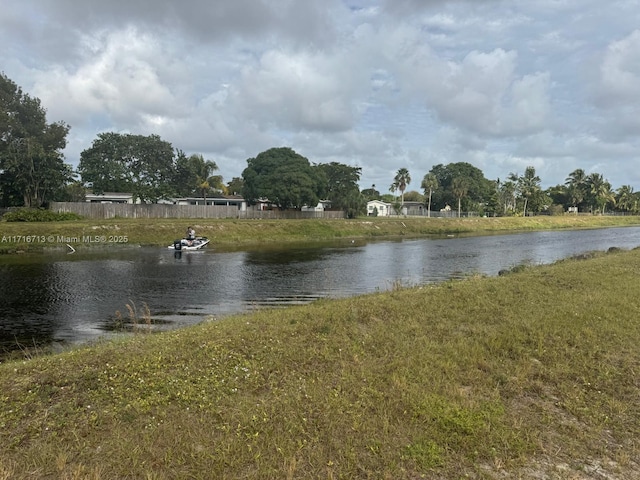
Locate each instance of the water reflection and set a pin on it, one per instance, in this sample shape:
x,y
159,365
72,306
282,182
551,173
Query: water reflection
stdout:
x,y
24,320
75,297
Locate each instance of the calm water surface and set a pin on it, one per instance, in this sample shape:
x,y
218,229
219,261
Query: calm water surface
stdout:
x,y
73,298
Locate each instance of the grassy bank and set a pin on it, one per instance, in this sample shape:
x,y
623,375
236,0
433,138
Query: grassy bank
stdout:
x,y
528,375
246,233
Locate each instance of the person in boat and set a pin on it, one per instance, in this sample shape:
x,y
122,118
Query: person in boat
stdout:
x,y
191,235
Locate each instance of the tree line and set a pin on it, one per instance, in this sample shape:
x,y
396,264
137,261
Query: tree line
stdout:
x,y
463,187
33,173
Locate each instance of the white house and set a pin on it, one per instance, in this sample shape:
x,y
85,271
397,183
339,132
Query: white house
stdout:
x,y
110,197
383,209
225,201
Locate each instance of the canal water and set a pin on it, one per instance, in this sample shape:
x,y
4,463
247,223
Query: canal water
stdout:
x,y
68,298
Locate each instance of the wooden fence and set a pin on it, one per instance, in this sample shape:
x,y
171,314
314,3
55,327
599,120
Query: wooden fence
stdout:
x,y
155,210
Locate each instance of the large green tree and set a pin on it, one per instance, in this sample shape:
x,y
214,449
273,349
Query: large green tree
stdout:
x,y
560,196
479,189
143,166
282,177
341,187
32,168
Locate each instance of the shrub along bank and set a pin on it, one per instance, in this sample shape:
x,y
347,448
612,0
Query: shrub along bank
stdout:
x,y
532,374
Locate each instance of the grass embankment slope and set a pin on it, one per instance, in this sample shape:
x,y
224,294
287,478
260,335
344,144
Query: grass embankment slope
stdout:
x,y
228,233
529,375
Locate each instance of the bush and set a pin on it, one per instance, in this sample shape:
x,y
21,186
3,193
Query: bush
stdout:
x,y
38,215
556,210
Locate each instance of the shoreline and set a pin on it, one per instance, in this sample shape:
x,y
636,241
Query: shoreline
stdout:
x,y
26,237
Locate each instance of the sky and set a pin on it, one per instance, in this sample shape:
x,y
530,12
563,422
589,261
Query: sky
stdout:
x,y
379,84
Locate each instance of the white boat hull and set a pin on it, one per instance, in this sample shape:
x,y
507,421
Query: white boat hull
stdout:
x,y
185,245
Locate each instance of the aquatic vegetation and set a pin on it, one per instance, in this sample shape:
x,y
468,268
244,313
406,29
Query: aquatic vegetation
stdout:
x,y
134,321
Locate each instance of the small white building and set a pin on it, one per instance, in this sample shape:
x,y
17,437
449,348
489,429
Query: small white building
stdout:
x,y
110,197
321,207
383,209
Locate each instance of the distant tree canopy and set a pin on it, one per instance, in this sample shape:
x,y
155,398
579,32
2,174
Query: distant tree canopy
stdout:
x,y
371,193
32,170
141,165
413,196
284,177
234,187
476,194
194,176
341,187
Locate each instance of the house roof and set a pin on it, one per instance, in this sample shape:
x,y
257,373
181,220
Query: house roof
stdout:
x,y
110,194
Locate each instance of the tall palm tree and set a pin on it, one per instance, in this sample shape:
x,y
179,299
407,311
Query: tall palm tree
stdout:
x,y
459,187
528,186
601,191
429,184
401,180
576,186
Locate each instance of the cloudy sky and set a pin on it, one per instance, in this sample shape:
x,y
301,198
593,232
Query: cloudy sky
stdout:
x,y
378,84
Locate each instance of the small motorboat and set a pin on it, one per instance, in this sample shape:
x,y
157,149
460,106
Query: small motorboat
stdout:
x,y
182,244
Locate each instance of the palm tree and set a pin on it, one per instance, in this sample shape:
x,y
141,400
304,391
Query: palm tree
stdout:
x,y
625,198
608,196
528,186
506,194
401,180
600,190
576,185
429,184
203,171
393,188
513,179
459,187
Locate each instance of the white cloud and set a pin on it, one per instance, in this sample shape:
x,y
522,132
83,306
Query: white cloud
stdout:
x,y
620,72
297,91
121,80
380,84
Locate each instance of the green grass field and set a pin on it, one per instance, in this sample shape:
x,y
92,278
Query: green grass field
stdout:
x,y
530,375
228,234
